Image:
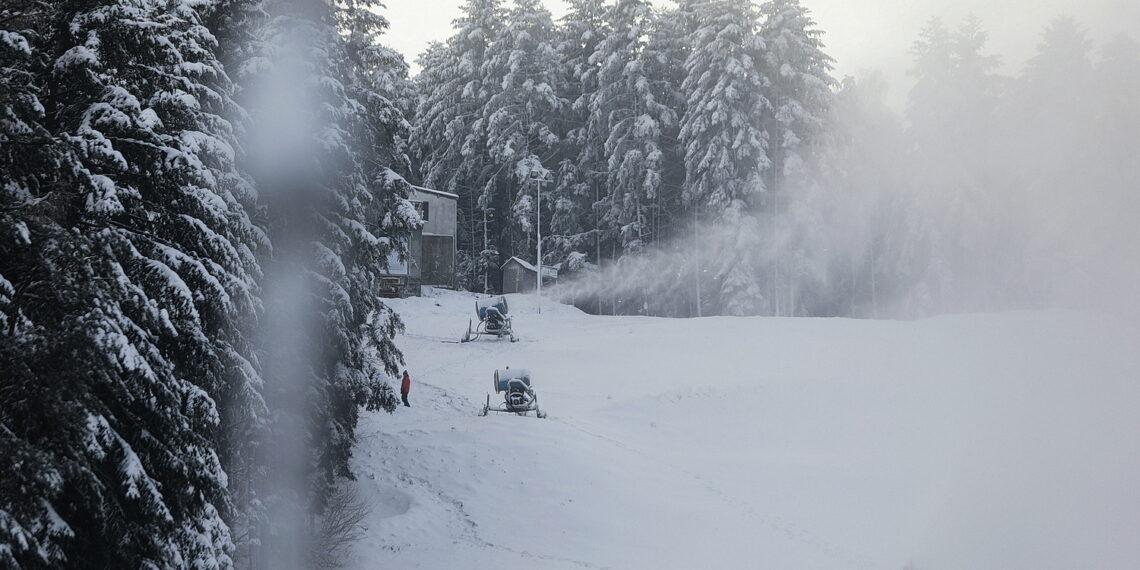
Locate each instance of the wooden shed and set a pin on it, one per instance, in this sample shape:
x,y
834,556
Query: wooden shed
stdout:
x,y
519,276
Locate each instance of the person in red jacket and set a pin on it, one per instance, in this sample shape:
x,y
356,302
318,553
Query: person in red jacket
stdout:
x,y
405,385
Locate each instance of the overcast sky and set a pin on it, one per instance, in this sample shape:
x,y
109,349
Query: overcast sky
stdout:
x,y
860,34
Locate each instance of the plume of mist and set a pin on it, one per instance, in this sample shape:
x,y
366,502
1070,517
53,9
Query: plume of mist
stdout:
x,y
992,193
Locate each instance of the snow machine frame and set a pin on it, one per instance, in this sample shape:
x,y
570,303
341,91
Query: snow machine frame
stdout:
x,y
518,395
493,320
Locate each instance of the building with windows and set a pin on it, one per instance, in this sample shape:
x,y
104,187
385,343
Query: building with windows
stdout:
x,y
431,251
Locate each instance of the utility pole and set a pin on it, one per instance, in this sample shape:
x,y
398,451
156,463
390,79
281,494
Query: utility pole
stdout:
x,y
538,231
697,255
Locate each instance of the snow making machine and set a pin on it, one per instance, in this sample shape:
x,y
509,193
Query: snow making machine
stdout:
x,y
518,396
493,320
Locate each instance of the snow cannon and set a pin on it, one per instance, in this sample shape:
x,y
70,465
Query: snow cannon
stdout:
x,y
483,306
503,378
493,320
518,395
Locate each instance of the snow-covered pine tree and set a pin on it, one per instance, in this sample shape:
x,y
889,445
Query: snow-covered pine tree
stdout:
x,y
520,139
933,66
666,51
139,292
32,476
626,108
951,114
667,48
577,197
238,26
726,150
367,216
380,83
571,232
442,121
1053,103
800,93
328,144
376,215
580,31
429,129
387,71
453,92
923,261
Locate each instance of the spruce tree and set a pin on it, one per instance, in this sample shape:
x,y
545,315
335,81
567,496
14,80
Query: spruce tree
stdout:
x,y
32,477
726,149
328,152
149,255
454,90
951,112
800,92
516,123
578,198
626,108
667,48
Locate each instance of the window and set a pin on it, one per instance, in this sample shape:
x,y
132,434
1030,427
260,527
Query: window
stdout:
x,y
421,209
396,266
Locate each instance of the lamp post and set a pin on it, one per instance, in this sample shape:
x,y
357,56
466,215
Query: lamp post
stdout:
x,y
538,176
538,232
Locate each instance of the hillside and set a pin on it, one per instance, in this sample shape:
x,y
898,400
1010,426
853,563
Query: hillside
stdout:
x,y
979,441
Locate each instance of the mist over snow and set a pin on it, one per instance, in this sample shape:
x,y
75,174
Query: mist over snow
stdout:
x,y
989,192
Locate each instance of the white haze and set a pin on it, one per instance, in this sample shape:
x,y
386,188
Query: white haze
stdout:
x,y
1018,193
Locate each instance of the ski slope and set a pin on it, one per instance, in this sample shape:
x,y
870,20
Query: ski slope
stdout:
x,y
993,441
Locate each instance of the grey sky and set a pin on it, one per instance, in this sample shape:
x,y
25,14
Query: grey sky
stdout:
x,y
860,34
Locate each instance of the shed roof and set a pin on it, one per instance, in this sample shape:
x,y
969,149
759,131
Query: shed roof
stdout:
x,y
436,192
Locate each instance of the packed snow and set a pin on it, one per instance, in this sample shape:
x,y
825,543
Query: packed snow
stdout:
x,y
988,441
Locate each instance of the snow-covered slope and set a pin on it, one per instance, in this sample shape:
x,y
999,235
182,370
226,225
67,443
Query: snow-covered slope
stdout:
x,y
970,442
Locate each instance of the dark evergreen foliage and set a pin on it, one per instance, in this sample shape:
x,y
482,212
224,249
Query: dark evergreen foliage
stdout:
x,y
132,390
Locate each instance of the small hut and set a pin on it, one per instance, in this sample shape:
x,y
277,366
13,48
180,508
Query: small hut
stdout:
x,y
519,276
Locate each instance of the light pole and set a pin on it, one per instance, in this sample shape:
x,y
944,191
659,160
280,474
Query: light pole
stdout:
x,y
538,231
697,255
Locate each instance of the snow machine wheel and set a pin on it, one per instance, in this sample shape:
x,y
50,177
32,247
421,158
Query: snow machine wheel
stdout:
x,y
541,415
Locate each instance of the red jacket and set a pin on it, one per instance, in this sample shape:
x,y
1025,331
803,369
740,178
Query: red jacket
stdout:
x,y
406,384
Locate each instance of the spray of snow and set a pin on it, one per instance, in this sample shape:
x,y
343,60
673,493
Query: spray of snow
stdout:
x,y
990,193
